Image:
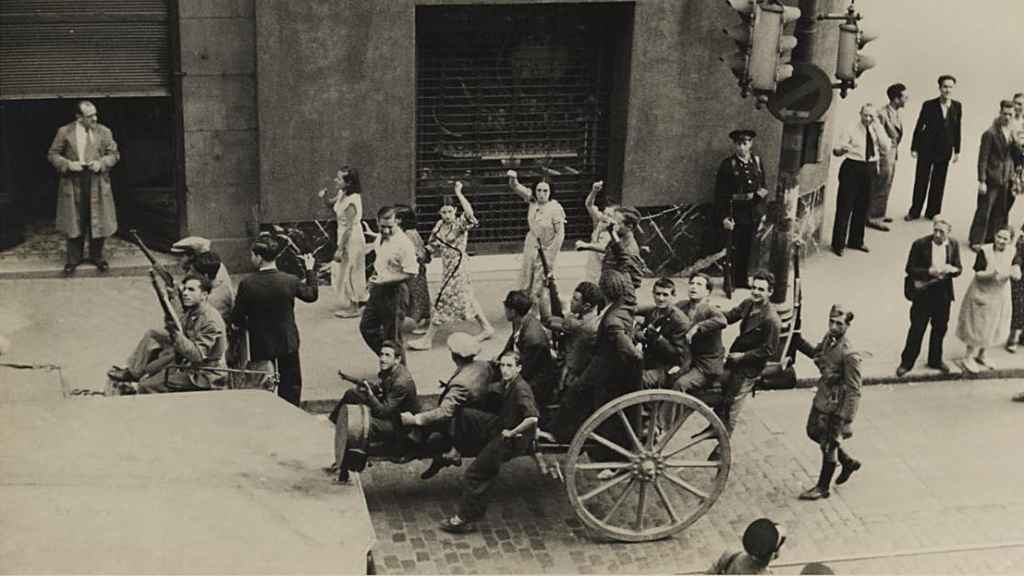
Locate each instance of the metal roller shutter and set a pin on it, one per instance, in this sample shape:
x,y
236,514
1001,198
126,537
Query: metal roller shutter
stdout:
x,y
509,88
73,48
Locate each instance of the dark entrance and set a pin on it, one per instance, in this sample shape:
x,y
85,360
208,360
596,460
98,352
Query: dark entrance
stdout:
x,y
115,53
538,89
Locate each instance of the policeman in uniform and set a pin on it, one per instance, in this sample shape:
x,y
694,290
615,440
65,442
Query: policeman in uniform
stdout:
x,y
740,201
835,401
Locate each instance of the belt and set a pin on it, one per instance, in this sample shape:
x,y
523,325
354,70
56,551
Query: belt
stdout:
x,y
747,196
872,163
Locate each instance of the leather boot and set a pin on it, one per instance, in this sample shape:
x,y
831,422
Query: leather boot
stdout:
x,y
821,490
850,465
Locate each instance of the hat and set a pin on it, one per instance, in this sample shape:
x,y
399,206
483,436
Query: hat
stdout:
x,y
191,244
761,538
840,311
462,344
735,135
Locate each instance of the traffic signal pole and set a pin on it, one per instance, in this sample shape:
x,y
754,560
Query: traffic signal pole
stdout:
x,y
787,195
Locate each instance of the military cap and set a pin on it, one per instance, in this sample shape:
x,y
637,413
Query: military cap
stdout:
x,y
191,245
735,135
462,344
762,538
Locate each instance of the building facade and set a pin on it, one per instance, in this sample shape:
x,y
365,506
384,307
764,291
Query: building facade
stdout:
x,y
234,113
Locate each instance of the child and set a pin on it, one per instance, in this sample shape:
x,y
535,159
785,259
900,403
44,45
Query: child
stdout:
x,y
761,543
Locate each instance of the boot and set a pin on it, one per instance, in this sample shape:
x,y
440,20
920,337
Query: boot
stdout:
x,y
850,465
821,490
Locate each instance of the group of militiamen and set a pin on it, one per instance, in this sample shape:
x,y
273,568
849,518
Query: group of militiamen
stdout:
x,y
556,369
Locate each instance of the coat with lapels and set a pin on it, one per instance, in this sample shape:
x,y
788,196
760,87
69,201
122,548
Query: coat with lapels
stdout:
x,y
100,146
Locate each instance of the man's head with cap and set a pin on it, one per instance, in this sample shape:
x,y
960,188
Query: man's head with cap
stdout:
x,y
463,346
743,138
762,540
188,248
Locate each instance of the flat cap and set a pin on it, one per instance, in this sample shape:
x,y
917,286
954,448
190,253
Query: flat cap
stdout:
x,y
735,135
191,244
462,344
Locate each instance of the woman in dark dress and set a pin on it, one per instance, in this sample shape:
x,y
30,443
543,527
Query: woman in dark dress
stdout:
x,y
1017,295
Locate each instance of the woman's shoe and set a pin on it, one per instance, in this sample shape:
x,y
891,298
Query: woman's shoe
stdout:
x,y
420,344
1011,346
970,365
486,334
348,313
985,363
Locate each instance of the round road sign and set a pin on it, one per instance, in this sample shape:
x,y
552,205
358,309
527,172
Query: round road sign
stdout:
x,y
802,98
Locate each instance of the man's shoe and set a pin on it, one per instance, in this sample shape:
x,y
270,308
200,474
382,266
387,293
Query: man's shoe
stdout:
x,y
436,465
887,220
837,251
118,374
456,525
901,371
69,269
941,367
1018,397
877,226
910,218
103,266
862,248
848,469
974,247
814,493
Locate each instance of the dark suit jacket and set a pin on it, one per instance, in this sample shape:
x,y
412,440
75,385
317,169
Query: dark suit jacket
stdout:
x,y
758,339
669,348
706,346
935,137
920,260
399,394
996,158
265,305
538,366
615,369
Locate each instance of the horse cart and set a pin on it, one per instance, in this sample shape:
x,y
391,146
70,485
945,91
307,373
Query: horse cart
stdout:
x,y
636,470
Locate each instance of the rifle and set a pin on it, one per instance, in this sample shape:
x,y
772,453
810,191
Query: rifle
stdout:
x,y
156,266
364,384
727,275
170,315
163,283
549,281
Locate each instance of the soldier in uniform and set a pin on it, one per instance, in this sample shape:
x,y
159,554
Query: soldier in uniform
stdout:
x,y
836,400
740,201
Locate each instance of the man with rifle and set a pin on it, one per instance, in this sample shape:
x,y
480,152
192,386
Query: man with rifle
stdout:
x,y
740,203
387,400
185,346
531,341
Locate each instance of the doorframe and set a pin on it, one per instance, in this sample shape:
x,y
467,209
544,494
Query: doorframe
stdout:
x,y
177,112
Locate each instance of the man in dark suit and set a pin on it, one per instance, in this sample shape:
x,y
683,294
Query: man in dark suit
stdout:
x,y
265,306
936,141
83,153
531,341
933,262
663,334
995,172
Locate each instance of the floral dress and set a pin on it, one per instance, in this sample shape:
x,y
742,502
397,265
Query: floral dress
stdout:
x,y
456,300
348,271
986,309
544,220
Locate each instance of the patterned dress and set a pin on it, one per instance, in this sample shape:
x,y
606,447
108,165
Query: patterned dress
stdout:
x,y
986,308
542,219
456,300
419,294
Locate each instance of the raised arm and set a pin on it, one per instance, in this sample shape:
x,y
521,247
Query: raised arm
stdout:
x,y
467,208
595,213
517,187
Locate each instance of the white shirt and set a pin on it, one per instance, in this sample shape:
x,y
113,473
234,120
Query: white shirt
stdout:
x,y
394,255
945,107
81,141
855,140
939,255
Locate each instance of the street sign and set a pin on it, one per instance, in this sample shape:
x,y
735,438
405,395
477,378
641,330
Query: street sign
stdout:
x,y
802,98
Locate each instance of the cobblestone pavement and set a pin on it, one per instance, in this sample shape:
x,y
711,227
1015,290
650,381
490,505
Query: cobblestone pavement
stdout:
x,y
933,478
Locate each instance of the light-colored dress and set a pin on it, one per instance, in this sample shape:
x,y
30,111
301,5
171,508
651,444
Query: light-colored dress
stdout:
x,y
987,307
348,271
600,237
455,300
542,219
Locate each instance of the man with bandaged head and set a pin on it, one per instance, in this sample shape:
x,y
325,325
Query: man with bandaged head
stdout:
x,y
835,401
265,307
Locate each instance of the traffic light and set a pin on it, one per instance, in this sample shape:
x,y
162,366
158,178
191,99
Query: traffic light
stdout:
x,y
771,48
850,63
742,34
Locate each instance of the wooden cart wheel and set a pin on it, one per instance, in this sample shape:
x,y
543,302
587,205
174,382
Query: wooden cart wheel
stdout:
x,y
352,430
638,468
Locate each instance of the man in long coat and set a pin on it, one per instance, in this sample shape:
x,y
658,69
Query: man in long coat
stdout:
x,y
83,152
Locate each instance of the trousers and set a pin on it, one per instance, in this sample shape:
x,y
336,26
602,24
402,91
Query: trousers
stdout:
x,y
931,307
930,183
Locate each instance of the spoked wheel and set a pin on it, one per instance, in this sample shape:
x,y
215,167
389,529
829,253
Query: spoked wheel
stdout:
x,y
638,468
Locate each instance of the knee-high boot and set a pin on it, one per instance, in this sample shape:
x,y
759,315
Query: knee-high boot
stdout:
x,y
821,489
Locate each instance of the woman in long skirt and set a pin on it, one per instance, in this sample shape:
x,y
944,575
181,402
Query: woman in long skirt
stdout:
x,y
348,271
419,293
455,299
986,309
546,219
